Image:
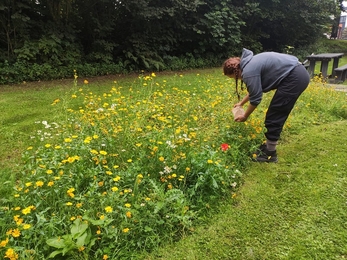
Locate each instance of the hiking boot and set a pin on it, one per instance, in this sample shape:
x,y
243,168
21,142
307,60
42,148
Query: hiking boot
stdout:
x,y
264,155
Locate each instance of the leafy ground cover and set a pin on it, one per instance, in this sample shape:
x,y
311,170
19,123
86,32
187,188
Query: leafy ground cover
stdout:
x,y
112,170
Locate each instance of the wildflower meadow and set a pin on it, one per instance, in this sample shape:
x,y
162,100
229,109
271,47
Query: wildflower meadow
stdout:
x,y
137,166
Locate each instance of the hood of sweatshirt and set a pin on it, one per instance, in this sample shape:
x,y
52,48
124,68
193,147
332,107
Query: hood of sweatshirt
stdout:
x,y
246,57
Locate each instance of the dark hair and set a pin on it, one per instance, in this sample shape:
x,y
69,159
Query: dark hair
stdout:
x,y
232,67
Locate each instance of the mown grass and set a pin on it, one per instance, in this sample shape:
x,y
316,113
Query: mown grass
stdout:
x,y
276,214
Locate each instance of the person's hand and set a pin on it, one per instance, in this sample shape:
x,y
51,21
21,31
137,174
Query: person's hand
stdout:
x,y
240,118
238,105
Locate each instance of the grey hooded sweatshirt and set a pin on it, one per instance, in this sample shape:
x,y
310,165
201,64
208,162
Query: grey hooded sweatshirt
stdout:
x,y
264,72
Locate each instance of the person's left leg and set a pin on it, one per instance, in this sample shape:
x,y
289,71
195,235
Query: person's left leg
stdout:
x,y
279,109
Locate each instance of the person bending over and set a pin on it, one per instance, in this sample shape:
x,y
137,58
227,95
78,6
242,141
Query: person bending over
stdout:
x,y
261,73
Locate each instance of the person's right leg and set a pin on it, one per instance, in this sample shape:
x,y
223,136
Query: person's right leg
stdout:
x,y
279,109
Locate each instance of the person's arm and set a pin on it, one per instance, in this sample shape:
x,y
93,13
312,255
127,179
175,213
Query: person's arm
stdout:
x,y
243,101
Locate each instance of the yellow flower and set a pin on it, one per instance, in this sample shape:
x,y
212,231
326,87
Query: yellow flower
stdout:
x,y
11,254
28,184
114,189
16,232
128,214
50,184
4,243
209,161
78,205
26,211
85,81
87,140
47,145
39,183
126,230
49,171
68,204
127,205
26,226
105,257
161,158
108,209
129,160
103,152
117,178
68,140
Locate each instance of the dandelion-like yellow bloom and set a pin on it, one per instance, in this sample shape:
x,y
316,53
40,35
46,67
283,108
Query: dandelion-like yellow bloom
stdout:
x,y
68,204
4,243
49,171
94,151
26,211
105,257
161,158
209,161
126,230
127,205
108,209
103,152
15,232
128,214
68,140
26,226
11,254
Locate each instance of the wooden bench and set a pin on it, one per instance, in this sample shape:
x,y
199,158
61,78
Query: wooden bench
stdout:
x,y
341,73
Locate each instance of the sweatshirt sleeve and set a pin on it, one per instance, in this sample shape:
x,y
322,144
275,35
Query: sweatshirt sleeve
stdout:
x,y
254,89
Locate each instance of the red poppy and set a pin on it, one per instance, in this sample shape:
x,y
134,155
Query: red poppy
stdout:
x,y
224,147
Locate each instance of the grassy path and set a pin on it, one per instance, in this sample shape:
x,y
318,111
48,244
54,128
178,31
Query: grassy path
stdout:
x,y
296,209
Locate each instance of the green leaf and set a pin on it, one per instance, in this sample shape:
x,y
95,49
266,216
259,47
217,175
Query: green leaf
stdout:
x,y
56,242
78,227
55,253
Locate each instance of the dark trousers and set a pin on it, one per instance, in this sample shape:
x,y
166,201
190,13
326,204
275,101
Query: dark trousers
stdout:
x,y
283,101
